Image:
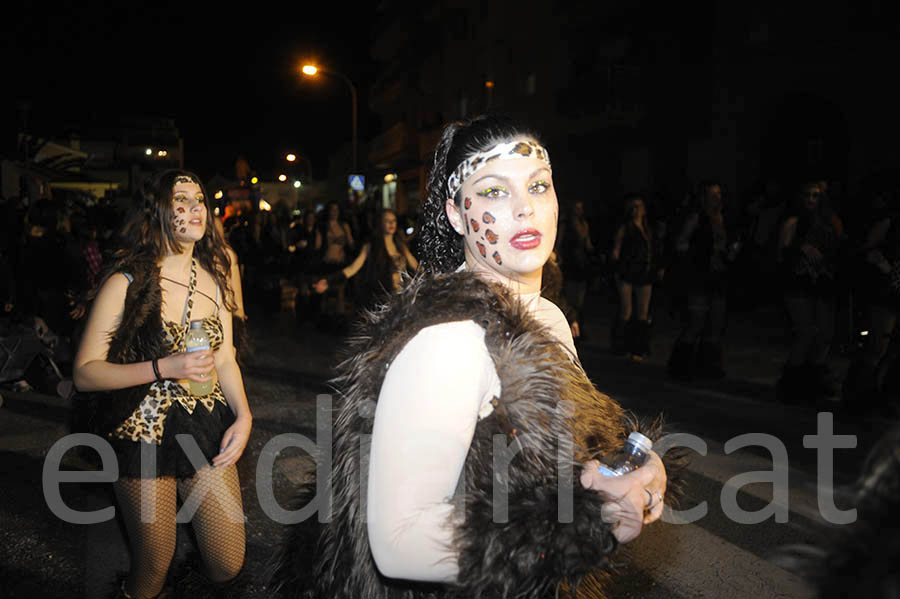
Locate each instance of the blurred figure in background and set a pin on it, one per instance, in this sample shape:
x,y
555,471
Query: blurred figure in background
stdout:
x,y
865,385
577,255
860,559
808,245
704,253
553,284
383,262
239,316
308,266
634,255
338,243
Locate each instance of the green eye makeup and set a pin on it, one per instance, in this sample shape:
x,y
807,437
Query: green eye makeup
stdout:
x,y
492,192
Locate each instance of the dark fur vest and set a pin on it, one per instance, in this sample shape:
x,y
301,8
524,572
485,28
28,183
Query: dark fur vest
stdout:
x,y
139,337
548,407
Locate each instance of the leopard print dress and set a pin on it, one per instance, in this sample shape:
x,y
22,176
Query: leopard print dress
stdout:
x,y
169,409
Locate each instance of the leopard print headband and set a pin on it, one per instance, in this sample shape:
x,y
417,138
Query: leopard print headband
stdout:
x,y
504,151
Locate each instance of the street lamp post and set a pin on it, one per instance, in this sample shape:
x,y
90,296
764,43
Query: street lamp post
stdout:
x,y
312,70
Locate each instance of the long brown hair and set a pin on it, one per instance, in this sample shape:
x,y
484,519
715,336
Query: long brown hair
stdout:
x,y
630,200
148,234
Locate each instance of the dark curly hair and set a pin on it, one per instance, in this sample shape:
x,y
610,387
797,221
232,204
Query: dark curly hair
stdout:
x,y
440,246
148,234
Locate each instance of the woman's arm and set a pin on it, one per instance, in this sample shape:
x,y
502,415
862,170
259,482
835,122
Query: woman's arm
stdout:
x,y
351,269
91,370
876,237
683,243
588,244
410,259
235,438
424,421
348,234
617,244
235,282
786,235
318,239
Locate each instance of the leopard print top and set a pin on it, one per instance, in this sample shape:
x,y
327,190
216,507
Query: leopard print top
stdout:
x,y
146,422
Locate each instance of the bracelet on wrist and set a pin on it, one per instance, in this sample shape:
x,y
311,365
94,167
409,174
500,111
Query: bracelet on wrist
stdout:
x,y
155,364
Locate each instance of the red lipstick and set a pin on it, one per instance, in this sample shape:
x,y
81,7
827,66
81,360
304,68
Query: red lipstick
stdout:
x,y
527,239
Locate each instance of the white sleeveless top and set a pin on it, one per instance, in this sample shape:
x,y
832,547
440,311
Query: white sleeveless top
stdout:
x,y
433,394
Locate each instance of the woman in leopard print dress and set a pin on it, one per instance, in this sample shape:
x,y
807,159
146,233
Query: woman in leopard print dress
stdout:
x,y
134,362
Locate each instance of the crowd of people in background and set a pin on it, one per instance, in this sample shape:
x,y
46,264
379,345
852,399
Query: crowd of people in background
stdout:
x,y
803,248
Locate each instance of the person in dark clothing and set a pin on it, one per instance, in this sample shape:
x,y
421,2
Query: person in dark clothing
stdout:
x,y
308,267
704,253
577,256
859,559
554,282
635,263
866,383
808,244
381,263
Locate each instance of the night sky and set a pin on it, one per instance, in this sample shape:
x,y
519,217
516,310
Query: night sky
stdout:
x,y
229,76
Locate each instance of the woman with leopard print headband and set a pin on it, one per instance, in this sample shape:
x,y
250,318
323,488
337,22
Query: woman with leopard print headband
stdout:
x,y
466,431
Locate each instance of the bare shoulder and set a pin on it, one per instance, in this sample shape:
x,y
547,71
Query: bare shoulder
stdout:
x,y
114,288
206,284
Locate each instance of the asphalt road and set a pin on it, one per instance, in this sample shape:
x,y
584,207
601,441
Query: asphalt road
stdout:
x,y
714,556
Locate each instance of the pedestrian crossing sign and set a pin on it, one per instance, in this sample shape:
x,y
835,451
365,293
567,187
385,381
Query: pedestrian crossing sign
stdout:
x,y
357,182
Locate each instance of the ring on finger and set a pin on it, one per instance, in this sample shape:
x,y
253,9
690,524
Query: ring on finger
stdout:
x,y
649,499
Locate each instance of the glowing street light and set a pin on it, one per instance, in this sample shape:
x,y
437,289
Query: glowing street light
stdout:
x,y
162,153
282,178
148,151
311,70
253,180
295,157
297,184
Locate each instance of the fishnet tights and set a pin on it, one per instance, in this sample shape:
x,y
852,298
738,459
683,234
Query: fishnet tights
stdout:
x,y
211,502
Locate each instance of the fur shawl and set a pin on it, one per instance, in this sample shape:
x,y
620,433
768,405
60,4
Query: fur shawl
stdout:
x,y
139,337
549,411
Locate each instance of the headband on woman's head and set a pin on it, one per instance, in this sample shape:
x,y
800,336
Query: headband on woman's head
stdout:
x,y
503,151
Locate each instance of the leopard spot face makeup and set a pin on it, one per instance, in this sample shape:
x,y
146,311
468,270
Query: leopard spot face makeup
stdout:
x,y
497,258
468,203
488,218
491,237
482,249
475,225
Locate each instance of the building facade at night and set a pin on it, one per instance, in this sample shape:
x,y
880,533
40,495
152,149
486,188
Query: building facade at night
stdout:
x,y
644,98
96,160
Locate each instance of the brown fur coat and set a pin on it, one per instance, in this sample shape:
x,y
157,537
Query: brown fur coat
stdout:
x,y
139,337
549,410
